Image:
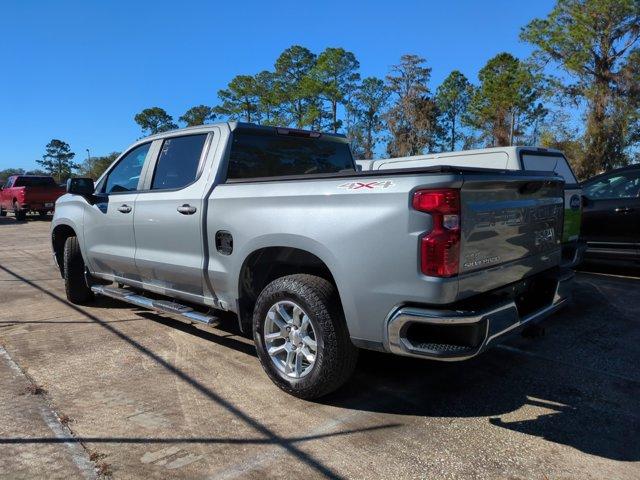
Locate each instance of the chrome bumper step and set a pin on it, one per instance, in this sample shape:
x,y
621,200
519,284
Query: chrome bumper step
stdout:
x,y
183,312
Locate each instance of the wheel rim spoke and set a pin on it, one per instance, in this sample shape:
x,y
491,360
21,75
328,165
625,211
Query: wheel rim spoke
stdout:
x,y
310,342
274,336
307,354
304,325
298,366
289,365
277,349
283,314
297,314
272,315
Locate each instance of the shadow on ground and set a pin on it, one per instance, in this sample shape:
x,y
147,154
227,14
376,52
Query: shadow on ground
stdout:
x,y
592,410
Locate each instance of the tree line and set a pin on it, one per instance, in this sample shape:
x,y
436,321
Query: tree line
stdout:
x,y
586,58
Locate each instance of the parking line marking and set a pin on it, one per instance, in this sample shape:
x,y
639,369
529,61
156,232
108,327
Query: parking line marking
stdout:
x,y
77,452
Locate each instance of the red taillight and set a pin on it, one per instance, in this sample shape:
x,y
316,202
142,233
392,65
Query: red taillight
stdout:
x,y
440,248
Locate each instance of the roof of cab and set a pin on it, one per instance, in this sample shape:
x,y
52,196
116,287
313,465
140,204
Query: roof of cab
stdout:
x,y
240,126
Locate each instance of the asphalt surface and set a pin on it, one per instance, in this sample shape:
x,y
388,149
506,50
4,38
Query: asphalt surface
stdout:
x,y
114,391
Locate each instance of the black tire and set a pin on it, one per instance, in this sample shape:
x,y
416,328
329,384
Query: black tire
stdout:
x,y
336,356
75,281
3,212
19,214
42,213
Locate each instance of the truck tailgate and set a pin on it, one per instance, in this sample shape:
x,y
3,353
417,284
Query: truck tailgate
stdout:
x,y
507,220
42,194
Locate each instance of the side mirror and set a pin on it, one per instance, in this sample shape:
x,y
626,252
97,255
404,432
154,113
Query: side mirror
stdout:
x,y
80,186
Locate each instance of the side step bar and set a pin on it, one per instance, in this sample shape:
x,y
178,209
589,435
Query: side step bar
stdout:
x,y
165,306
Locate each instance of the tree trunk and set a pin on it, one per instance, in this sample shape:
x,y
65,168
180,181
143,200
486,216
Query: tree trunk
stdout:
x,y
513,125
368,154
453,133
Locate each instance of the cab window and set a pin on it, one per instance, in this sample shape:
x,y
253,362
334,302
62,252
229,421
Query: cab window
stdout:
x,y
178,162
617,185
125,175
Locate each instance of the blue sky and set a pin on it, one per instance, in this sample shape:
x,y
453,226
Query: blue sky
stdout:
x,y
80,70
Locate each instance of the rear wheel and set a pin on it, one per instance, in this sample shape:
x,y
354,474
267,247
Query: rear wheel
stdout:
x,y
3,212
42,213
301,336
19,214
75,281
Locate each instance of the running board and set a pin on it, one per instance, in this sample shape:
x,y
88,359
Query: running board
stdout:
x,y
165,306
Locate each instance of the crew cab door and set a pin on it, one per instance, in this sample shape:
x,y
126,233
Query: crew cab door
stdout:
x,y
611,219
169,218
108,223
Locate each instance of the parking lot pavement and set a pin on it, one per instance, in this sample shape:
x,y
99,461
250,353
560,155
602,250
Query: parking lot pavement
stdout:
x,y
151,397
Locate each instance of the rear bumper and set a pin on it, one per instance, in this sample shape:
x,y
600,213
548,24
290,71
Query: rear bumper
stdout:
x,y
573,253
452,335
37,206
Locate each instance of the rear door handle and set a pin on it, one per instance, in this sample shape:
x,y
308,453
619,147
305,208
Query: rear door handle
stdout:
x,y
187,209
623,210
124,208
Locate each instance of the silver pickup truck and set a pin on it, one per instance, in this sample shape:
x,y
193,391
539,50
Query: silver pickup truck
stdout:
x,y
314,258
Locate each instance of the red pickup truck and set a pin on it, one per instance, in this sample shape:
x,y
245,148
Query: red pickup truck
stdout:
x,y
29,193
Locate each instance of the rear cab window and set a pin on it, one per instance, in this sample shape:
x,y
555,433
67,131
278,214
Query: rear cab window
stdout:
x,y
34,182
280,153
549,162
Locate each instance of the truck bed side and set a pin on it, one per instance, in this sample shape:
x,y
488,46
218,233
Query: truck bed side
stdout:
x,y
362,227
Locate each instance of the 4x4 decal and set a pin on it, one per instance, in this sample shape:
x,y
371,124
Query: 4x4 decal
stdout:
x,y
367,185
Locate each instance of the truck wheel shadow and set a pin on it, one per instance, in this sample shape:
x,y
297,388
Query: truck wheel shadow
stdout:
x,y
520,386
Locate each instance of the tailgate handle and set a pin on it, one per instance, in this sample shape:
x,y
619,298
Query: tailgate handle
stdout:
x,y
530,187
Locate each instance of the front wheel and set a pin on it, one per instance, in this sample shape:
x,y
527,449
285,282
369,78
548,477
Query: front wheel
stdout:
x,y
75,282
301,336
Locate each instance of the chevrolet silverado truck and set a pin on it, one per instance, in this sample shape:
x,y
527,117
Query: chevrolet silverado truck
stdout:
x,y
314,258
29,193
511,158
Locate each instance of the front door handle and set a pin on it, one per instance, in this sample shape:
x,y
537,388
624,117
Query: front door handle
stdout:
x,y
623,210
124,208
187,209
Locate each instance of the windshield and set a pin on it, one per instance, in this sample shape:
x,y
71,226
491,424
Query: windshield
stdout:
x,y
549,163
34,182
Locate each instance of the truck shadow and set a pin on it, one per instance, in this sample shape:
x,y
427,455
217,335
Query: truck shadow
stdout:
x,y
590,405
9,220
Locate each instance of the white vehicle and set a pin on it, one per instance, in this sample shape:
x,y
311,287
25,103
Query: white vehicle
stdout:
x,y
510,158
